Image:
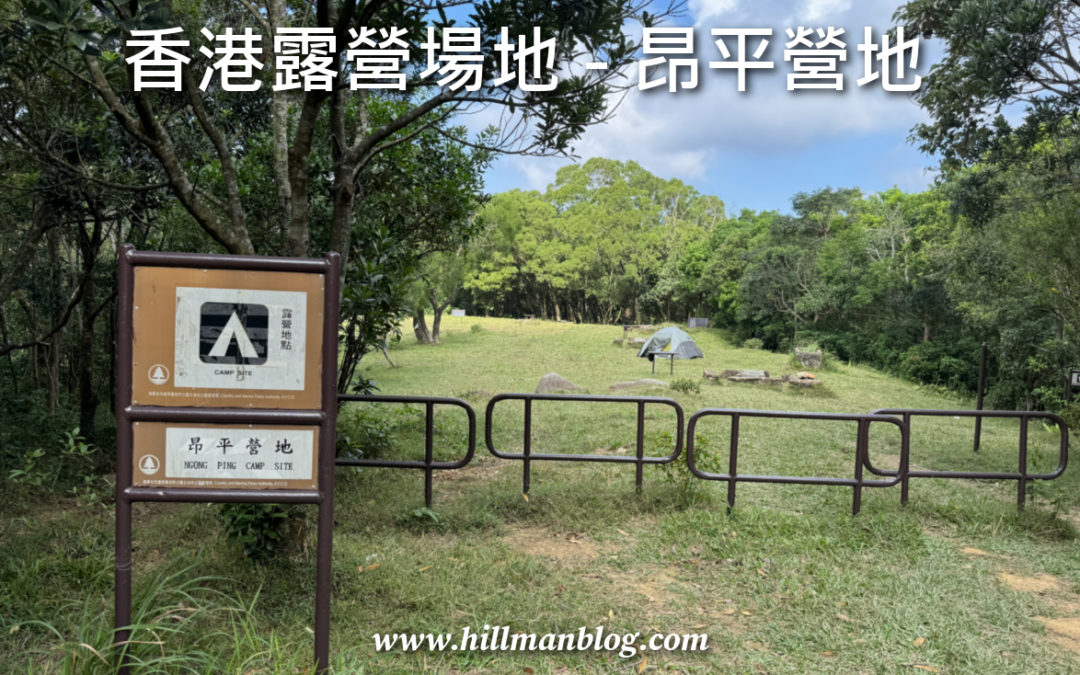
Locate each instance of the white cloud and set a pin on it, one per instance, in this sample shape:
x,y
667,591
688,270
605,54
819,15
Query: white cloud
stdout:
x,y
703,10
824,11
687,133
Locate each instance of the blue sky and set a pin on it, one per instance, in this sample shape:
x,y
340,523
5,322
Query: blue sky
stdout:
x,y
758,148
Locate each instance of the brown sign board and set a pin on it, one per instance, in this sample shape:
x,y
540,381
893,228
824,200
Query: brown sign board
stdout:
x,y
226,393
227,338
226,456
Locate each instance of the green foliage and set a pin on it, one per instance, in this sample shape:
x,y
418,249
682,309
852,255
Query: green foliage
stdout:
x,y
261,530
476,329
70,463
996,53
366,432
753,343
1071,414
29,473
422,519
689,489
605,242
686,385
180,623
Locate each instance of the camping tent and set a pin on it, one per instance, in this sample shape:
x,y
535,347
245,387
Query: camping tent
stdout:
x,y
671,340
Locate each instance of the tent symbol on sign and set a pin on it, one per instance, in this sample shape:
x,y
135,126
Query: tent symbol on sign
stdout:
x,y
149,464
233,333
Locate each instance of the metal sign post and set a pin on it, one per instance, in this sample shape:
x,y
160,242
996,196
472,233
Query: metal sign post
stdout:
x,y
227,392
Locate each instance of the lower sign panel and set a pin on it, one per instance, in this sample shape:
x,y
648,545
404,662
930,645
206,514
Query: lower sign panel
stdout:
x,y
255,457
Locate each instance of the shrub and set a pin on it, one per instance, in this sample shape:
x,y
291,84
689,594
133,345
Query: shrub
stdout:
x,y
366,432
689,489
1071,415
936,363
686,386
263,530
476,328
70,463
753,343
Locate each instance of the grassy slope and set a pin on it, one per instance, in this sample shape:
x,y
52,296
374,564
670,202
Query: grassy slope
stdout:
x,y
788,582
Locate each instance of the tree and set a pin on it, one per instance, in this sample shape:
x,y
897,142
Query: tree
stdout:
x,y
603,243
441,278
998,53
73,185
201,139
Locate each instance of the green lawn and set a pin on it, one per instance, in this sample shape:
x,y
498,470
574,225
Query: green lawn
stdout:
x,y
788,582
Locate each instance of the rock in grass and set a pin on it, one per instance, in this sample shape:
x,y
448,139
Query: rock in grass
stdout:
x,y
552,383
749,376
636,384
809,359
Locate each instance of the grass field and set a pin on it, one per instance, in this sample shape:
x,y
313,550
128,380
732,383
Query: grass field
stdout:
x,y
787,582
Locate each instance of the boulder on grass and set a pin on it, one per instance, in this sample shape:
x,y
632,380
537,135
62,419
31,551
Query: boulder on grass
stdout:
x,y
808,359
553,383
749,376
636,384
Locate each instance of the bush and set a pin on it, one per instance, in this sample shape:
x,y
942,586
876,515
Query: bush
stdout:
x,y
936,363
263,530
367,433
69,463
476,328
753,343
686,386
1071,415
689,489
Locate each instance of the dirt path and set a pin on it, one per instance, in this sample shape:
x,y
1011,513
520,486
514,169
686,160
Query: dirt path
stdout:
x,y
1063,627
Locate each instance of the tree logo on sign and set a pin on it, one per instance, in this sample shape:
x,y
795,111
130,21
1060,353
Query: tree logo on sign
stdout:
x,y
233,333
158,374
149,464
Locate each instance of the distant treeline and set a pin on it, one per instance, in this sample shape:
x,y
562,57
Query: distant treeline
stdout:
x,y
910,283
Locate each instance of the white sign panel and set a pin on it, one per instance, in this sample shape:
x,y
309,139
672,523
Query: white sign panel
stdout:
x,y
238,453
1076,378
228,338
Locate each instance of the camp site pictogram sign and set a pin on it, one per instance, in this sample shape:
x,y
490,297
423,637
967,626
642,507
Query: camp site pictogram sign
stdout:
x,y
226,393
227,338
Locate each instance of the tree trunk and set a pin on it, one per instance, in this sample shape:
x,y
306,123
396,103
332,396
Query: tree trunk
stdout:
x,y
52,347
420,329
88,399
436,321
89,244
52,399
926,331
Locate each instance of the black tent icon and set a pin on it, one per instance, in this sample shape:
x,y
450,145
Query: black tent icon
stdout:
x,y
233,333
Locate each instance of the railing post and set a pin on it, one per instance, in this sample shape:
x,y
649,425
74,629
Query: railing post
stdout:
x,y
979,396
526,449
1021,485
733,461
861,439
429,450
640,473
905,456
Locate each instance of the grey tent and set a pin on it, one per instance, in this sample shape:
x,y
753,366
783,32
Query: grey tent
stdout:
x,y
671,340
